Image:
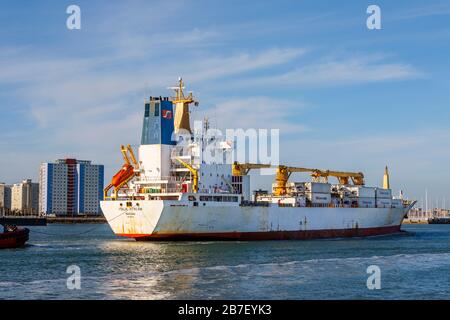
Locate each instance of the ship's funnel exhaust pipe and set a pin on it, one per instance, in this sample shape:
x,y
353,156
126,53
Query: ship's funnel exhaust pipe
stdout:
x,y
386,184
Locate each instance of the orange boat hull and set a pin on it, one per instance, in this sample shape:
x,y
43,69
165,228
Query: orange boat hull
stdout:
x,y
124,174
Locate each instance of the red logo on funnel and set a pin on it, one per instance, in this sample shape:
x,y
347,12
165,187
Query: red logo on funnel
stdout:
x,y
166,114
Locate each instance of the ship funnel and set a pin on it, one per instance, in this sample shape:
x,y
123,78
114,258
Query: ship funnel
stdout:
x,y
386,184
158,124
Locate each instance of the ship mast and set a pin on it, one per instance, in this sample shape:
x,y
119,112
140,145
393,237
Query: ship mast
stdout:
x,y
182,102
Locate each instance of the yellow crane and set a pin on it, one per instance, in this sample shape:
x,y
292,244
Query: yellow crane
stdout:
x,y
342,176
282,176
128,154
284,172
194,174
242,169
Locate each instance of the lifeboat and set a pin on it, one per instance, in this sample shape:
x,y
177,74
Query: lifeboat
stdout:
x,y
14,237
124,174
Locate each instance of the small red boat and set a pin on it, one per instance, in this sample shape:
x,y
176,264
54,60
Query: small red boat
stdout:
x,y
14,237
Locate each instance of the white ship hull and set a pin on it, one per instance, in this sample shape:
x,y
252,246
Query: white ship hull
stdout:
x,y
175,220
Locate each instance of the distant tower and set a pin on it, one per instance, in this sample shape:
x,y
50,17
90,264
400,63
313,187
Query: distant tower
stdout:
x,y
386,184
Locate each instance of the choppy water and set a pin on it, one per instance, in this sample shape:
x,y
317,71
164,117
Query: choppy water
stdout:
x,y
413,266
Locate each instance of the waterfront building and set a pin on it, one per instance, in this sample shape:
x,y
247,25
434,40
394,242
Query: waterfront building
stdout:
x,y
2,195
71,187
25,197
5,196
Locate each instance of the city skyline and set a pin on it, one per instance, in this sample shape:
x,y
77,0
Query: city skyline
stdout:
x,y
344,97
65,187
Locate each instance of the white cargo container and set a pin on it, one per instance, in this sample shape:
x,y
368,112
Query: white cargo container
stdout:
x,y
287,201
397,203
292,187
317,187
384,203
319,198
383,193
363,192
366,202
350,201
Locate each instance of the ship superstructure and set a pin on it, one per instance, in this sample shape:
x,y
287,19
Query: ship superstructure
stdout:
x,y
174,192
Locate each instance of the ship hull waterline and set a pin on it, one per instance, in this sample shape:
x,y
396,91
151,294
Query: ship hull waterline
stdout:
x,y
171,221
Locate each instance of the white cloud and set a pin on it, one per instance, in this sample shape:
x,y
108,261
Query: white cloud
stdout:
x,y
338,72
258,113
216,67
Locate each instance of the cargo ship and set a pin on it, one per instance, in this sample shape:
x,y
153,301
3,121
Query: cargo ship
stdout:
x,y
170,192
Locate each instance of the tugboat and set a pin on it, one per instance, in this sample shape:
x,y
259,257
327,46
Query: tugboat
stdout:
x,y
13,237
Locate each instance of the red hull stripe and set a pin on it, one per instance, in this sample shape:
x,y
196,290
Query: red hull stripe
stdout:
x,y
270,235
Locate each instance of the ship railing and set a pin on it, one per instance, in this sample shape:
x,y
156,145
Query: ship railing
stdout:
x,y
327,205
175,167
144,196
169,179
163,190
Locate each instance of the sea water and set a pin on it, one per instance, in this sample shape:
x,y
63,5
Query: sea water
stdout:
x,y
415,265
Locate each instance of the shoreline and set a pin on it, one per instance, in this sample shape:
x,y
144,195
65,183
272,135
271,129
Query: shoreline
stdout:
x,y
76,220
409,221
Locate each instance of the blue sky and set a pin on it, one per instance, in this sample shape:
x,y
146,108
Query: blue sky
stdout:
x,y
344,97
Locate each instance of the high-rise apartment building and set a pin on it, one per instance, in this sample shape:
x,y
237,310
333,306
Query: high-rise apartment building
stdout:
x,y
5,196
71,187
25,197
